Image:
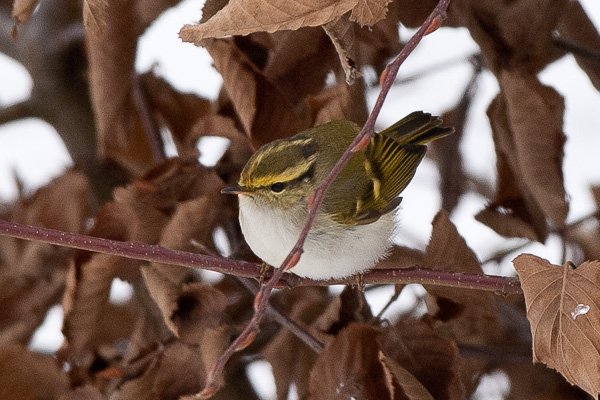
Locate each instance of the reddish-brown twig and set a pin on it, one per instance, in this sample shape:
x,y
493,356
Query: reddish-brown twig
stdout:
x,y
154,253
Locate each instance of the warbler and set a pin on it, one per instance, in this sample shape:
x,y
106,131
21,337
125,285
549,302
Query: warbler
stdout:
x,y
355,222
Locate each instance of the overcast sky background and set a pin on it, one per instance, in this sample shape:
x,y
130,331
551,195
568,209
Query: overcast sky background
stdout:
x,y
32,150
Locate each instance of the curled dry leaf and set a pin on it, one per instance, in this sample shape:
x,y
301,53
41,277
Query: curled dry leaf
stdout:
x,y
535,115
358,372
94,16
26,375
579,32
511,36
468,315
243,17
111,56
396,375
254,97
401,257
341,33
299,61
22,10
448,251
369,12
563,308
505,223
178,111
430,359
526,121
87,392
338,102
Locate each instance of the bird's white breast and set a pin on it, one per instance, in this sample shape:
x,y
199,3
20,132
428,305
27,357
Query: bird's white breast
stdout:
x,y
331,251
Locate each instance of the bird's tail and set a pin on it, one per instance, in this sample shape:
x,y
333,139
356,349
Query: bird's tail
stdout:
x,y
417,128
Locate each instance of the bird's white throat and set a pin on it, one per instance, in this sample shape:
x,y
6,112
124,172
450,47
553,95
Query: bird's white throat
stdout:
x,y
331,251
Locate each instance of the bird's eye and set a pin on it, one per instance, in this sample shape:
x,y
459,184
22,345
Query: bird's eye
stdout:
x,y
277,187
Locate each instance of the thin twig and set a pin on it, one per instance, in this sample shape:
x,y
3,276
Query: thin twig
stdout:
x,y
285,320
16,112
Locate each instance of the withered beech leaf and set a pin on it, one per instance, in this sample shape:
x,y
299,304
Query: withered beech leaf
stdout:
x,y
87,392
535,114
576,28
26,375
513,196
179,111
401,257
411,387
563,308
369,12
22,10
506,223
254,97
341,33
430,358
111,58
242,17
338,102
94,16
299,62
357,373
468,316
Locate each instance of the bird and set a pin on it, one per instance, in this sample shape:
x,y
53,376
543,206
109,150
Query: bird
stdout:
x,y
355,223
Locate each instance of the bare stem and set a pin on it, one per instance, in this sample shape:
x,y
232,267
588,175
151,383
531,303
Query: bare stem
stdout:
x,y
154,253
16,112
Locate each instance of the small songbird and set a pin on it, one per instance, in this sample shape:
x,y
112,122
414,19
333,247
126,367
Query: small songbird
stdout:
x,y
355,222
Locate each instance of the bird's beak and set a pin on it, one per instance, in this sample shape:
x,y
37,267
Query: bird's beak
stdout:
x,y
237,190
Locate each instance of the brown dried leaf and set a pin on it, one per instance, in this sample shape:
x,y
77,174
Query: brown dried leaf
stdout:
x,y
469,316
341,33
94,16
22,10
377,44
357,373
563,310
243,17
299,61
255,99
87,392
401,257
178,111
111,57
25,375
239,150
535,116
412,13
506,223
369,12
411,387
516,35
431,359
338,102
513,197
576,28
25,301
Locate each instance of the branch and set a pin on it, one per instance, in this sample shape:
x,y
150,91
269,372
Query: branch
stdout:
x,y
16,112
155,253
